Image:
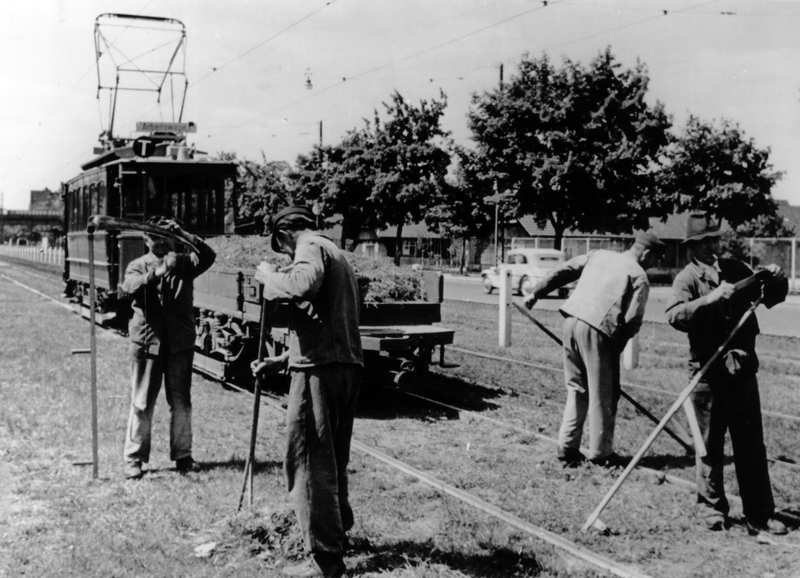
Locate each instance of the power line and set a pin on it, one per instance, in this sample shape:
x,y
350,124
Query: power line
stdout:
x,y
260,44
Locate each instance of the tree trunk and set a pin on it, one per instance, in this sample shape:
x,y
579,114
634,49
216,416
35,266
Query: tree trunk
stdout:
x,y
463,255
398,244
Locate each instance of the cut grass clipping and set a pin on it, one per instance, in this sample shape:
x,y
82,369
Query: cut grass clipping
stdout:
x,y
378,281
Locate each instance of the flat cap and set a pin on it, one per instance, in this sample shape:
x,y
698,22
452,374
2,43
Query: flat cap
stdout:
x,y
281,217
652,242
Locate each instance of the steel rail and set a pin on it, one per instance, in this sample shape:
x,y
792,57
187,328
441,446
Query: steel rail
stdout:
x,y
625,383
547,536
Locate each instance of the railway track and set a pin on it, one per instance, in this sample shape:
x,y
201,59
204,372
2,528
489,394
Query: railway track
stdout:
x,y
551,538
471,499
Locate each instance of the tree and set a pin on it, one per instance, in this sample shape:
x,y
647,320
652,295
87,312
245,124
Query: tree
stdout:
x,y
576,146
462,211
720,171
261,191
339,180
387,173
410,162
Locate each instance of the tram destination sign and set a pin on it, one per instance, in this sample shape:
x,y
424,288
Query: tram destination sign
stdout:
x,y
176,127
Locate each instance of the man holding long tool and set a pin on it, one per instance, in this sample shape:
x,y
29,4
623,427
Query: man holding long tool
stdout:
x,y
605,310
709,298
325,359
162,332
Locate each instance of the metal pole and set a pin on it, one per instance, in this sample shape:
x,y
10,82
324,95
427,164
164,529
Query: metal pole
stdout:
x,y
251,456
496,250
93,349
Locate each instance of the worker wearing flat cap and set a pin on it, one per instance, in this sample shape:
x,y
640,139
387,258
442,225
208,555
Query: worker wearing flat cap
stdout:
x,y
707,305
325,360
604,311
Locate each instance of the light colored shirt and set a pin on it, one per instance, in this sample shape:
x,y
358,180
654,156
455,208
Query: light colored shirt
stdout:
x,y
611,293
324,309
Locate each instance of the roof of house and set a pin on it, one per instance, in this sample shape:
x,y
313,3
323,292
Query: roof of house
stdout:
x,y
673,228
790,214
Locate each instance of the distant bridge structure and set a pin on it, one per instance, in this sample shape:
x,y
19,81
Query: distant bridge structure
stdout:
x,y
52,219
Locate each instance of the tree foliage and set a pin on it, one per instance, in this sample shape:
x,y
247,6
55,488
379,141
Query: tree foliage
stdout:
x,y
339,180
719,170
575,146
386,174
261,191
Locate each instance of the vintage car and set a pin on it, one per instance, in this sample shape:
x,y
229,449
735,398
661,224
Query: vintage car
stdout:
x,y
528,267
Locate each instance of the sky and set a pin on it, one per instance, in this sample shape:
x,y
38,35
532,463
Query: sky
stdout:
x,y
249,64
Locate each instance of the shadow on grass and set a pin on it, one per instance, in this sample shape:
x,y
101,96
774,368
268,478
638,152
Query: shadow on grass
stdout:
x,y
237,464
666,462
379,401
386,558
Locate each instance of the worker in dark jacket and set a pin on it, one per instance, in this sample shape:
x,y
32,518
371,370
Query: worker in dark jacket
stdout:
x,y
707,305
325,360
162,332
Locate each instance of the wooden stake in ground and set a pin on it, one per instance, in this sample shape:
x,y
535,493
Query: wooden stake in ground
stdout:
x,y
93,348
680,436
249,465
671,412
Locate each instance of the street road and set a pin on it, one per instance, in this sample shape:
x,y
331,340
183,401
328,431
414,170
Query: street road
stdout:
x,y
783,319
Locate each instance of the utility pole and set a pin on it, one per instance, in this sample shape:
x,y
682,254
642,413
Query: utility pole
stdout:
x,y
320,134
502,247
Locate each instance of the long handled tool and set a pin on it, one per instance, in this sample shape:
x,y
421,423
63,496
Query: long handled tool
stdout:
x,y
681,436
107,223
249,465
93,354
671,412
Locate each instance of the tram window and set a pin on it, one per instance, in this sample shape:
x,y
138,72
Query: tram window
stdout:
x,y
83,207
72,199
195,217
177,201
92,198
211,212
101,198
155,197
131,197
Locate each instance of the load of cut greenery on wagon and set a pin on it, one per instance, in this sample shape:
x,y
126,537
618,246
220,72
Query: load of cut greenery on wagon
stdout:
x,y
378,281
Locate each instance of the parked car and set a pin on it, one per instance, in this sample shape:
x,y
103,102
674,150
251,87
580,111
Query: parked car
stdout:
x,y
528,267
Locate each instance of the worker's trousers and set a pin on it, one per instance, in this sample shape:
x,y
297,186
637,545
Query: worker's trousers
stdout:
x,y
321,410
591,374
147,373
733,404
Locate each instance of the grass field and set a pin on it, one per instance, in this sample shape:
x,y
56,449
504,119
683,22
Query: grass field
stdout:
x,y
55,520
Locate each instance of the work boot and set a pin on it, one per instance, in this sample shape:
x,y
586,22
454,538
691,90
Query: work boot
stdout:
x,y
770,526
715,522
570,457
186,465
133,470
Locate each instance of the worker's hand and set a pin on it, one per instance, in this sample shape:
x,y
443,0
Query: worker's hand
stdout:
x,y
723,292
530,301
268,366
777,272
166,264
263,270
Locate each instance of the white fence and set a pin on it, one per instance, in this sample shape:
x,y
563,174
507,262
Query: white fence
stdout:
x,y
50,255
